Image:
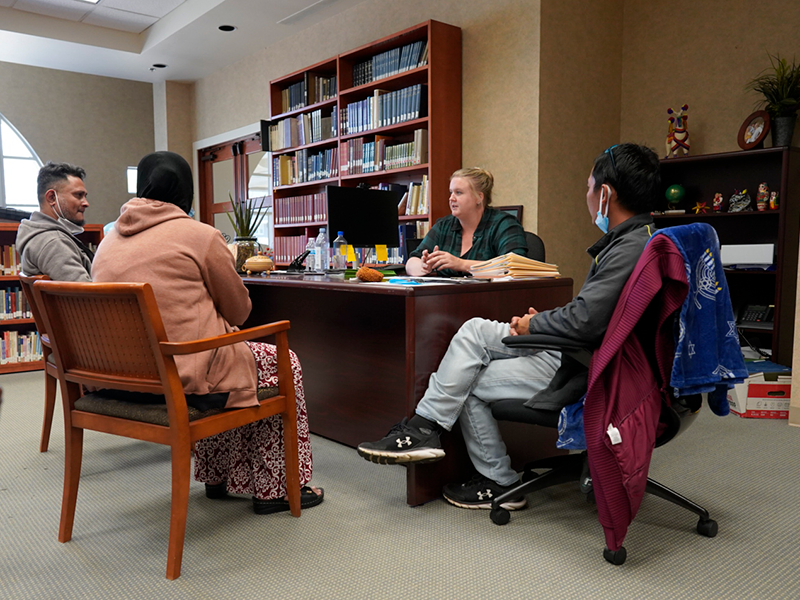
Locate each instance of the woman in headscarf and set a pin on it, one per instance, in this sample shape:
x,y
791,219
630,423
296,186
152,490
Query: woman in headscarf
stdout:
x,y
200,295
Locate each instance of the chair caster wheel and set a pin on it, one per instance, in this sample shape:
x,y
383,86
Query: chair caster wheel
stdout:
x,y
590,499
499,516
707,527
616,557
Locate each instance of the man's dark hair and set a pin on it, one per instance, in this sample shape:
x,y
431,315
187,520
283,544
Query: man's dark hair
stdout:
x,y
634,172
53,173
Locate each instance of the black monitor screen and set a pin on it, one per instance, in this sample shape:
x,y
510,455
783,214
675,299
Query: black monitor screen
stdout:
x,y
366,217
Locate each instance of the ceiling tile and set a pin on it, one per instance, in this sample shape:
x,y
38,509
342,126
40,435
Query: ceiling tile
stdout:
x,y
7,3
69,10
153,8
119,19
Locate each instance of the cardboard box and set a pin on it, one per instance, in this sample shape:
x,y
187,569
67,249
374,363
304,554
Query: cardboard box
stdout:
x,y
761,397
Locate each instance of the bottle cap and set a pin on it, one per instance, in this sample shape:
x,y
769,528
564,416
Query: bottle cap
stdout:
x,y
340,233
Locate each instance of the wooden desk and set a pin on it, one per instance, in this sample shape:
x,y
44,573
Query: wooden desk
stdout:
x,y
367,350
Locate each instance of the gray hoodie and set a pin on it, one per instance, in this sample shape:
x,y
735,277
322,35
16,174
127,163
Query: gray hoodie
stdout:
x,y
47,248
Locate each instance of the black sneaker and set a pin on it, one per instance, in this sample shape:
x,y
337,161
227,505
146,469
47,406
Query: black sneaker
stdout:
x,y
479,492
404,444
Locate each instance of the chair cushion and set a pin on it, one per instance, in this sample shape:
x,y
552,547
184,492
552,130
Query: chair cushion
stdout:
x,y
151,412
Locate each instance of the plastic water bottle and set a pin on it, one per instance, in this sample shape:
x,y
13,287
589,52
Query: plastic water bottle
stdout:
x,y
340,252
323,254
312,248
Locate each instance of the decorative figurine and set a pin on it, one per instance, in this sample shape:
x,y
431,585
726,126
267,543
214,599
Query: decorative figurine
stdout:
x,y
717,202
678,135
674,195
700,208
762,198
773,201
739,201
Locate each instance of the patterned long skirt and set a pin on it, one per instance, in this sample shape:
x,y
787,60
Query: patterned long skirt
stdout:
x,y
250,458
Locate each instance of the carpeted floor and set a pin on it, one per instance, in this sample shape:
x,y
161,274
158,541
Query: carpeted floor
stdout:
x,y
364,542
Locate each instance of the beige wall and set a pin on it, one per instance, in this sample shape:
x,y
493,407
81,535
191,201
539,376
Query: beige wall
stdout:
x,y
500,81
701,54
579,117
99,123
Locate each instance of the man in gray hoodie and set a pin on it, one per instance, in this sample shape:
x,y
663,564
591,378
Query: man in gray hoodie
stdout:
x,y
47,241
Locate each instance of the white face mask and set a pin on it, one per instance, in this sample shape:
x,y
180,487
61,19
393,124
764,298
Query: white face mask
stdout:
x,y
73,228
601,220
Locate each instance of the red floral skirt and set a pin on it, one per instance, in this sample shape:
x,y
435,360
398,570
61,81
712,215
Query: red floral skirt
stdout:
x,y
250,458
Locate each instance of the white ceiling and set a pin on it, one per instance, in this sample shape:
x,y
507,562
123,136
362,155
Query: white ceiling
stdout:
x,y
125,38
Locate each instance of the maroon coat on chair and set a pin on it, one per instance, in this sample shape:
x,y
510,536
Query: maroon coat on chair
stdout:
x,y
625,391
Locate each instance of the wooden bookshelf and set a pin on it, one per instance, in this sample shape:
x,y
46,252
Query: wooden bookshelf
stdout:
x,y
93,234
422,95
704,175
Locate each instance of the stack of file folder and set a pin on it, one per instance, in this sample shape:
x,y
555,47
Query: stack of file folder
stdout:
x,y
513,266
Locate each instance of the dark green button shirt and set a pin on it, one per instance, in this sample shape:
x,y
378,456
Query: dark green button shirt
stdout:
x,y
498,233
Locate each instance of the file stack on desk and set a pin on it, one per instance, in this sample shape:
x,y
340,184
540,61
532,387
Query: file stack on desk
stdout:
x,y
513,266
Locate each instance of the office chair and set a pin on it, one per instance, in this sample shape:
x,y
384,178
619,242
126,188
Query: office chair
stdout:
x,y
110,336
643,322
535,246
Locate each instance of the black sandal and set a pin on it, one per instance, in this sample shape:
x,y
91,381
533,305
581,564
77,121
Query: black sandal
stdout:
x,y
308,498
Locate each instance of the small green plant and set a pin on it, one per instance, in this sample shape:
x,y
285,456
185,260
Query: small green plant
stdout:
x,y
247,216
780,86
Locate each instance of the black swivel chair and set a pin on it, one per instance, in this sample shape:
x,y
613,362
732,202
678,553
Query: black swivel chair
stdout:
x,y
675,417
535,246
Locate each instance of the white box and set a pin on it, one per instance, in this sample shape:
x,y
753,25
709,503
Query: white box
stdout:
x,y
747,254
759,398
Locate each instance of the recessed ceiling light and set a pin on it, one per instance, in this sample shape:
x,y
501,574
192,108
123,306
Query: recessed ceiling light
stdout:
x,y
227,28
90,1
160,66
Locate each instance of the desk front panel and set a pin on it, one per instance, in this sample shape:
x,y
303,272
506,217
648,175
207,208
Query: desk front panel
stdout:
x,y
367,352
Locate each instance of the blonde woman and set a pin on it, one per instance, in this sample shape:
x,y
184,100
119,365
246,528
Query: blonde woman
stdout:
x,y
473,232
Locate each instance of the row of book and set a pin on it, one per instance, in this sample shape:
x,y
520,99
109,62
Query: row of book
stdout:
x,y
513,266
359,156
14,304
391,62
312,89
307,128
416,201
308,208
385,108
304,166
11,260
16,347
288,247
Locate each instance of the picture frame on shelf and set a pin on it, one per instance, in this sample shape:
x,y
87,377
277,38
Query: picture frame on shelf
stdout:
x,y
753,130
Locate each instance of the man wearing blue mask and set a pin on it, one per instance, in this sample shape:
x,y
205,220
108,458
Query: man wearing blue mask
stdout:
x,y
478,369
47,241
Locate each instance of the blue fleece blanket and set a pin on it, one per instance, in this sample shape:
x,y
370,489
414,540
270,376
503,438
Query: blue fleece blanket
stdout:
x,y
707,353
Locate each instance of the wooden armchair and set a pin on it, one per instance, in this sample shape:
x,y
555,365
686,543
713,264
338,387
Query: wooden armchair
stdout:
x,y
50,371
110,336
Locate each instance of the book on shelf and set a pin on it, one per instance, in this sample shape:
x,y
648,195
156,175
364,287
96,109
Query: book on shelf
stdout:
x,y
11,260
391,62
305,166
384,109
14,304
312,89
306,208
513,266
17,347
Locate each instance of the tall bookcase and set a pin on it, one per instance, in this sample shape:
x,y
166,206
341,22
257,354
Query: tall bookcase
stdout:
x,y
417,96
703,176
9,283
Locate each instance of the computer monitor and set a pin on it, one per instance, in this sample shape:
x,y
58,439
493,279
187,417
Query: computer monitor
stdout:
x,y
367,218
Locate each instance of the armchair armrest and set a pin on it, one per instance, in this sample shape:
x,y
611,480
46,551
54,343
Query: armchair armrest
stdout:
x,y
542,341
252,333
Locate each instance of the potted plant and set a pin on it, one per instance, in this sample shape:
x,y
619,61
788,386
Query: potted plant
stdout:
x,y
245,218
780,86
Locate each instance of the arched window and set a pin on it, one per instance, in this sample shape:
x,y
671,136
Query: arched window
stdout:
x,y
18,169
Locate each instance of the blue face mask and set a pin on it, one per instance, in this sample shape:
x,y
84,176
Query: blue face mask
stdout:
x,y
601,220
